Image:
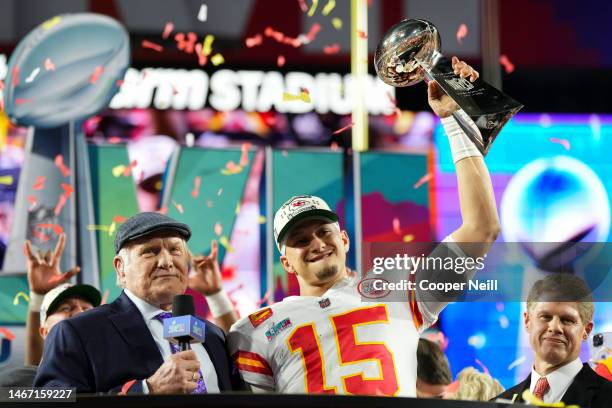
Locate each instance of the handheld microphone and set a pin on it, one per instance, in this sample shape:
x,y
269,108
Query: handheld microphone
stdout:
x,y
183,327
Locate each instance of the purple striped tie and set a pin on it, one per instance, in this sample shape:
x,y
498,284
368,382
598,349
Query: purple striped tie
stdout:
x,y
201,387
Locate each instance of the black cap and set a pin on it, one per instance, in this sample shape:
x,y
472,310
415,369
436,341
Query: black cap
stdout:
x,y
146,223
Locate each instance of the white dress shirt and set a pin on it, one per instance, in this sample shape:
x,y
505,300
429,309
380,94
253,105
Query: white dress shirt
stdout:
x,y
559,380
156,328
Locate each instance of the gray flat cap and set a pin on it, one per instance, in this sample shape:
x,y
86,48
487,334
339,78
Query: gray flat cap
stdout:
x,y
146,223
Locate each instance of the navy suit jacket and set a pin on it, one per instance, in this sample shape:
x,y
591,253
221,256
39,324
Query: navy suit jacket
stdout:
x,y
588,390
106,347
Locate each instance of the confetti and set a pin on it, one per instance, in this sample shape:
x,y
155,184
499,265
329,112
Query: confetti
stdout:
x,y
96,74
57,229
563,142
163,210
178,207
189,45
237,210
231,168
59,162
32,76
61,202
114,140
21,101
504,323
484,367
362,34
39,235
302,96
207,44
328,7
261,219
218,229
462,32
7,333
111,229
277,35
105,297
15,80
334,146
52,22
6,180
337,23
477,341
219,192
209,203
331,49
342,129
49,65
265,298
408,238
226,244
253,41
118,170
21,295
423,180
312,33
40,183
303,5
217,59
33,201
128,169
280,61
505,62
196,187
396,226
68,190
203,13
244,154
168,28
313,8
202,59
517,362
152,46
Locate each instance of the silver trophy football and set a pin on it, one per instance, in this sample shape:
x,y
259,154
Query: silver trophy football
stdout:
x,y
410,52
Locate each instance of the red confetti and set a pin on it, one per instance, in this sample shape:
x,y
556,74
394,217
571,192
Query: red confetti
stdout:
x,y
334,146
342,129
314,30
59,162
280,61
303,5
202,59
68,190
33,201
7,333
277,35
190,44
196,186
61,202
167,30
163,210
244,156
232,167
114,140
423,180
21,101
505,62
152,46
396,226
96,74
129,167
218,229
361,34
178,207
563,142
253,41
15,79
57,229
462,32
40,183
119,219
49,65
40,235
331,49
120,83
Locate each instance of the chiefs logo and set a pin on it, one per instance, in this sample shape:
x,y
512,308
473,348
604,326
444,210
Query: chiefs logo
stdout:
x,y
260,316
297,204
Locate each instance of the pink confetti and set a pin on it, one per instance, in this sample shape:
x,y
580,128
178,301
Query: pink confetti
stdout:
x,y
7,333
1,85
334,146
196,187
396,226
40,183
68,190
232,167
505,62
314,30
265,298
178,206
462,32
15,79
303,5
362,34
21,101
202,59
61,202
563,142
152,46
119,219
49,65
280,61
423,180
129,167
114,140
40,235
253,41
96,74
105,297
331,49
244,154
218,229
33,201
277,35
168,28
342,129
484,367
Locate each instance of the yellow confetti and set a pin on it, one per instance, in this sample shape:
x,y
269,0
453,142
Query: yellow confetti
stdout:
x,y
111,229
51,22
533,400
230,171
225,243
337,23
261,219
93,227
329,7
217,59
302,96
313,8
207,45
6,180
408,238
118,170
21,295
237,208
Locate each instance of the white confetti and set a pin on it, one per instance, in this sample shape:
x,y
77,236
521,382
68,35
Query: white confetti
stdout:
x,y
203,13
32,75
517,362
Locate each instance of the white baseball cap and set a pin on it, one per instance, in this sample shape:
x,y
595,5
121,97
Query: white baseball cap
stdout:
x,y
65,291
297,209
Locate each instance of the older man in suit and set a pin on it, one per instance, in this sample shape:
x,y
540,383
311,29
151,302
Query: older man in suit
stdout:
x,y
558,319
120,347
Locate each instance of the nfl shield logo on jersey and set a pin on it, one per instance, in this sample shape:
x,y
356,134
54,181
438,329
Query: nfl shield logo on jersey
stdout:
x,y
324,303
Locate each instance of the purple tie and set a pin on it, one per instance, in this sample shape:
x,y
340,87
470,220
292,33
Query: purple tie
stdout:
x,y
201,388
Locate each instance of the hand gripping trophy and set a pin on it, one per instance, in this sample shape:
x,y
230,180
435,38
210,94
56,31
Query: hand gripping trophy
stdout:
x,y
410,52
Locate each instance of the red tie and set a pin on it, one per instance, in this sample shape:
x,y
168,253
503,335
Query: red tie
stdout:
x,y
541,388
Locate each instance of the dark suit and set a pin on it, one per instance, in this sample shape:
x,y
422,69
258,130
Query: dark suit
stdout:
x,y
587,390
104,348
